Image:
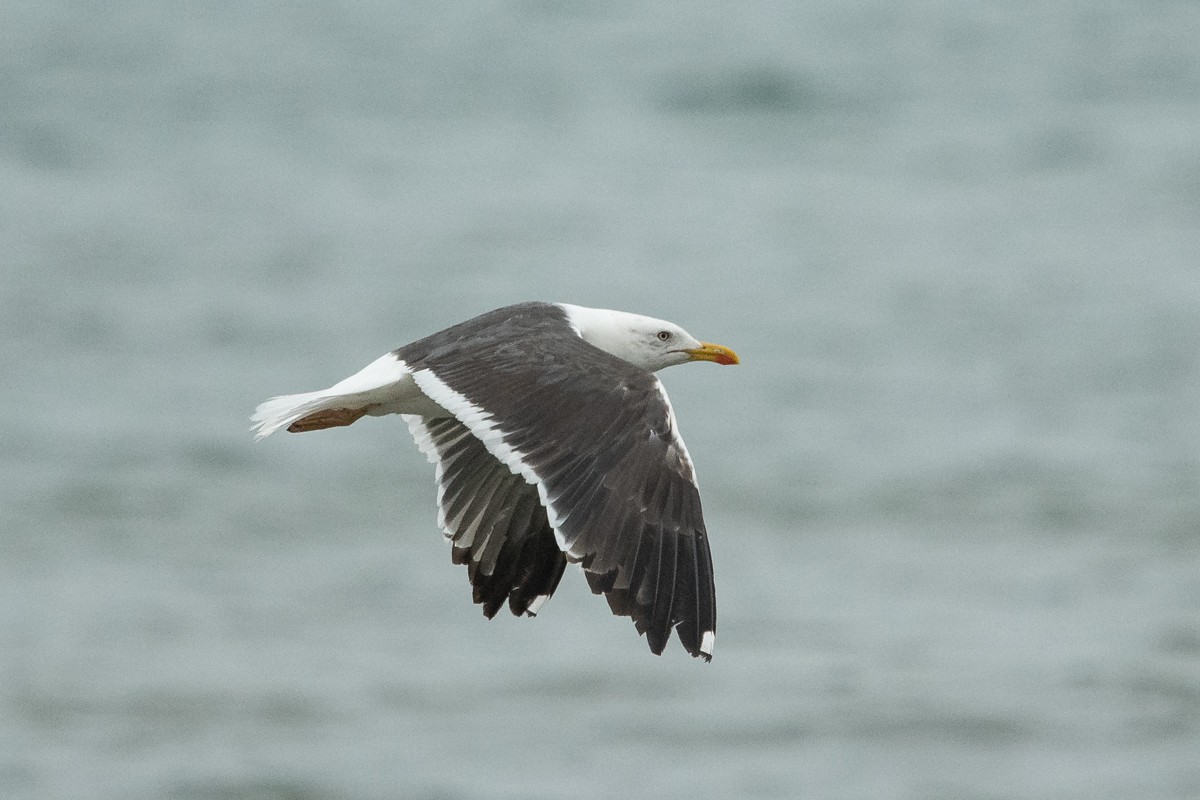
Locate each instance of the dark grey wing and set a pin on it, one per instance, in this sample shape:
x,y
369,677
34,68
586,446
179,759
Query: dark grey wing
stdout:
x,y
597,437
494,519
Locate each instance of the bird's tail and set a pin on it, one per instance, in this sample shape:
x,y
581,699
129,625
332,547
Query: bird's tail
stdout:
x,y
283,411
375,389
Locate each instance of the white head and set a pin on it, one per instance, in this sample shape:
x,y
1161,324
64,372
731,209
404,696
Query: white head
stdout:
x,y
645,342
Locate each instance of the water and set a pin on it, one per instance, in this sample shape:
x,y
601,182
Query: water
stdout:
x,y
952,489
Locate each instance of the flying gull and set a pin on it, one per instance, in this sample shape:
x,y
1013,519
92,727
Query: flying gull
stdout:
x,y
553,442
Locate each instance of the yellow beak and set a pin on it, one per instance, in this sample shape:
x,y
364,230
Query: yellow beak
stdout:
x,y
713,352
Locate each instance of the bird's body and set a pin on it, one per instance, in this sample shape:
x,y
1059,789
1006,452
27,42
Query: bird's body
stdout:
x,y
553,441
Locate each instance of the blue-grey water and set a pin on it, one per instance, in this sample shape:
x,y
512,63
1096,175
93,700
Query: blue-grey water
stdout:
x,y
953,490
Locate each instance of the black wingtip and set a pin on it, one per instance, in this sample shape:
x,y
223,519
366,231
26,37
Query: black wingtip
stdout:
x,y
697,650
658,648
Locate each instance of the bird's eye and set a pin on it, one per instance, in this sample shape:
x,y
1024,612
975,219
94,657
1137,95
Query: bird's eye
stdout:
x,y
664,336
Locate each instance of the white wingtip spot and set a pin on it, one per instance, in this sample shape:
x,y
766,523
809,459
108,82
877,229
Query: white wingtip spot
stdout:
x,y
707,641
536,605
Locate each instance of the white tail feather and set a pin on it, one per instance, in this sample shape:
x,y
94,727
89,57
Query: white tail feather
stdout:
x,y
279,412
384,384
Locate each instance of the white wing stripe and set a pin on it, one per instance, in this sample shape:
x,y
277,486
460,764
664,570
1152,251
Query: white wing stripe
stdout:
x,y
483,425
677,447
426,444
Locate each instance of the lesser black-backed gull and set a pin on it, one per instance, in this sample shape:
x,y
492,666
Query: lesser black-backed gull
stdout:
x,y
553,442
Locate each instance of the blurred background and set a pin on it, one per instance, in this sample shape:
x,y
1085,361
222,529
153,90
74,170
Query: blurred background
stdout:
x,y
952,490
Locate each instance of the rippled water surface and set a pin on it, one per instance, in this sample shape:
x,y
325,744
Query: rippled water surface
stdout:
x,y
952,489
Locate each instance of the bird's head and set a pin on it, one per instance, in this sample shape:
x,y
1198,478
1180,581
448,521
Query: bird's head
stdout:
x,y
646,342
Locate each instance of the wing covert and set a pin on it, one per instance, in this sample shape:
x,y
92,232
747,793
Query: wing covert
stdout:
x,y
597,438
